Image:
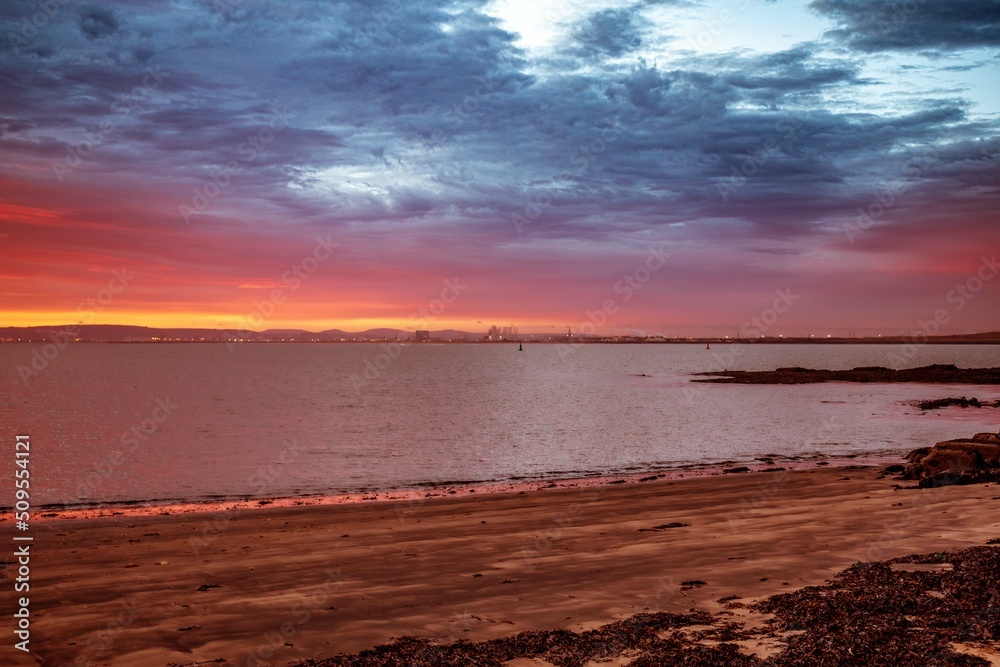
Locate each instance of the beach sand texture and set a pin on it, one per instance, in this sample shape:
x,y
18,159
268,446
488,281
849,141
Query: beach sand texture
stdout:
x,y
280,585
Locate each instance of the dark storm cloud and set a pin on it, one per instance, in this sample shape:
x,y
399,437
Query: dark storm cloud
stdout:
x,y
408,64
883,25
610,32
96,23
792,70
427,117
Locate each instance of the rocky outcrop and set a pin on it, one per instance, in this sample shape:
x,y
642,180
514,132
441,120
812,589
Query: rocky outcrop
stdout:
x,y
964,461
937,373
963,402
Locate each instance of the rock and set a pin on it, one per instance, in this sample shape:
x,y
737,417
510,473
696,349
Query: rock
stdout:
x,y
935,374
963,461
939,403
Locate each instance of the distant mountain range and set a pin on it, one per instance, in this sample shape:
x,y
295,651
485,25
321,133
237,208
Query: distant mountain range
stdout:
x,y
124,333
131,333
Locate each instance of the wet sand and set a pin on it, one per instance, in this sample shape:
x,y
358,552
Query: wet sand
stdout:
x,y
277,585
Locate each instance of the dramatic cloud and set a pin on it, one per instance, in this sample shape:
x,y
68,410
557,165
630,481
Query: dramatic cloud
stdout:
x,y
539,150
610,32
96,23
883,25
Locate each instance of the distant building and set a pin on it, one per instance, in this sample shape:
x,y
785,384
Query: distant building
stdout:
x,y
422,335
502,333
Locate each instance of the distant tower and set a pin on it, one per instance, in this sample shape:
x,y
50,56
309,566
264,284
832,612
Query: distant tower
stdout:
x,y
502,332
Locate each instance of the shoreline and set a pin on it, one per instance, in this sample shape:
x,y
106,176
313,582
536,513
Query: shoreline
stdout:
x,y
768,463
279,585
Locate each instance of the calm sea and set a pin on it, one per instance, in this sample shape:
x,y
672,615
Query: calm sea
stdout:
x,y
119,422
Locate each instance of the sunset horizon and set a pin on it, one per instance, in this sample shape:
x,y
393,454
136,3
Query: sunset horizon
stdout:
x,y
752,329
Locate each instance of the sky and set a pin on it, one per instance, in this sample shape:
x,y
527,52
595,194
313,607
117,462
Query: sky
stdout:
x,y
676,167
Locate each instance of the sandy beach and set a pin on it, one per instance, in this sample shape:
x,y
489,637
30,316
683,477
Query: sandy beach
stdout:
x,y
278,585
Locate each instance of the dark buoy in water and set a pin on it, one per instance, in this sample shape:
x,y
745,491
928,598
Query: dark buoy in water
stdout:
x,y
520,348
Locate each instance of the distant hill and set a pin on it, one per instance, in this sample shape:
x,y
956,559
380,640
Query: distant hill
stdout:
x,y
125,333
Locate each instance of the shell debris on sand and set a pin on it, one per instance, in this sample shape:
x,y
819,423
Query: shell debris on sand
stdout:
x,y
870,614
